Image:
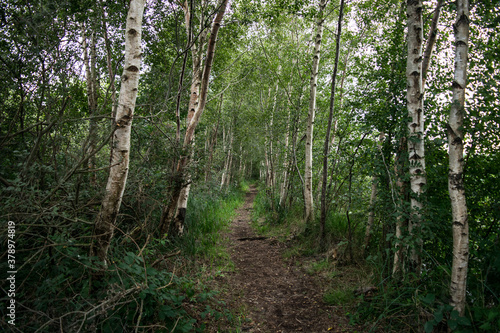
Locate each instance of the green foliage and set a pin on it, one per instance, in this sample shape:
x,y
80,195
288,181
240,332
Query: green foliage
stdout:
x,y
209,215
137,288
339,297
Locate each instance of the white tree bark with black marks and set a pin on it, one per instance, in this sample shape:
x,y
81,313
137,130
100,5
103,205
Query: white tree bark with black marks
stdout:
x,y
92,95
456,167
197,56
308,173
416,126
371,214
286,163
326,147
401,184
198,100
120,151
229,156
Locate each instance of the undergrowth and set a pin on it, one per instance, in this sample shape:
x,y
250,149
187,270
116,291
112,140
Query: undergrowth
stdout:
x,y
340,275
150,284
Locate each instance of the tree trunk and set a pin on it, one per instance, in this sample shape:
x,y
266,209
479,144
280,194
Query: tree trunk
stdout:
x,y
416,128
329,128
286,164
431,40
110,69
227,164
206,74
213,142
90,78
117,179
402,198
455,175
308,173
371,215
188,20
196,107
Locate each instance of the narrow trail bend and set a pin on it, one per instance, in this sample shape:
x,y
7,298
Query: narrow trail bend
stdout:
x,y
275,296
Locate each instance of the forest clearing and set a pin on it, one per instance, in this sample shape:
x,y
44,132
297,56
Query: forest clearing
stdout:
x,y
250,166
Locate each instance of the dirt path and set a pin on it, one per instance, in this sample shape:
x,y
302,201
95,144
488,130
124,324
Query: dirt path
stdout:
x,y
275,296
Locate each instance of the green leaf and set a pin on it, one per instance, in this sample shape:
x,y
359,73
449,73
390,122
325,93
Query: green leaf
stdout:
x,y
485,326
429,327
452,324
438,316
464,321
429,299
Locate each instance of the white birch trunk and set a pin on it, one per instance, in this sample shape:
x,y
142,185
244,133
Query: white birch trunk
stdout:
x,y
230,166
371,213
90,78
286,164
308,173
401,220
456,169
416,126
199,90
227,164
117,179
240,167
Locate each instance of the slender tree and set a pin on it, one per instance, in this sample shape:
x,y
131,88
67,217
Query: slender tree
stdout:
x,y
456,158
431,40
92,95
120,152
198,100
329,128
401,184
414,98
308,173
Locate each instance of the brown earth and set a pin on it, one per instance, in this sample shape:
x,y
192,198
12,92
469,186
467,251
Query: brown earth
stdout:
x,y
273,294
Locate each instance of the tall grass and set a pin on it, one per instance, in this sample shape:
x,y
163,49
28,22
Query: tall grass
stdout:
x,y
209,213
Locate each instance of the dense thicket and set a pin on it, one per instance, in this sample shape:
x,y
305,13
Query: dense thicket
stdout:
x,y
61,64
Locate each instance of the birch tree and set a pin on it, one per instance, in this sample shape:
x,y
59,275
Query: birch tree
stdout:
x,y
197,58
198,100
120,151
402,185
416,152
456,161
329,127
308,173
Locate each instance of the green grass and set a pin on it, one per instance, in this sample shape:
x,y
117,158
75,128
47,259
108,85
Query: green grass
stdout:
x,y
209,214
339,296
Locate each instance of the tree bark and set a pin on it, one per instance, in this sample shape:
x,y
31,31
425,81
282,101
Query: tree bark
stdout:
x,y
188,19
198,100
227,163
329,128
110,69
117,179
416,128
90,78
213,142
371,215
286,164
431,40
308,172
456,169
206,74
401,199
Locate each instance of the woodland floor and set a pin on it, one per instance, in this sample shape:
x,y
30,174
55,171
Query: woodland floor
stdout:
x,y
272,294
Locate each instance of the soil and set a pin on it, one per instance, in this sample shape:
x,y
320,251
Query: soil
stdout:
x,y
274,295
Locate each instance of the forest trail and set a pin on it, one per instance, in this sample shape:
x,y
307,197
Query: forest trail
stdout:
x,y
275,295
